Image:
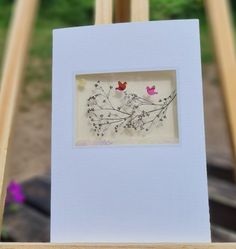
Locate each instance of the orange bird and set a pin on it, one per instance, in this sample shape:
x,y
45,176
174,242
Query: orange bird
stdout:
x,y
121,86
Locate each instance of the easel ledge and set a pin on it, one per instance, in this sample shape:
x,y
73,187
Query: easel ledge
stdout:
x,y
118,246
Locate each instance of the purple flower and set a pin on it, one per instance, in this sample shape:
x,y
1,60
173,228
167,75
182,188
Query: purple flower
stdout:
x,y
14,193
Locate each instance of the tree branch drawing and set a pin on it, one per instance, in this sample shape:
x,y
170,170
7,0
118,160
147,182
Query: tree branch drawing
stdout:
x,y
128,113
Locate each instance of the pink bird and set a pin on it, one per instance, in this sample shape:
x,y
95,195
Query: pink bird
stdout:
x,y
151,90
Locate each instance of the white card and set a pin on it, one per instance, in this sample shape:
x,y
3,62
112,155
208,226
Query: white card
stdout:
x,y
128,148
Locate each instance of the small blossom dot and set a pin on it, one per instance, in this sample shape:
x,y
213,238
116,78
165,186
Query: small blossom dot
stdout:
x,y
14,193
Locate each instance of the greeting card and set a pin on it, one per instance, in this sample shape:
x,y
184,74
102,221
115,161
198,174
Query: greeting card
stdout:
x,y
128,149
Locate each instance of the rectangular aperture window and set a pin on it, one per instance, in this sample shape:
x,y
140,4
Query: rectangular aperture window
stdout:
x,y
126,108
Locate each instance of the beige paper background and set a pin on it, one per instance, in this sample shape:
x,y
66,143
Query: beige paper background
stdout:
x,y
165,82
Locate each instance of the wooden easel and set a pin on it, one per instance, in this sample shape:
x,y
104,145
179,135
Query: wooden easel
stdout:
x,y
21,26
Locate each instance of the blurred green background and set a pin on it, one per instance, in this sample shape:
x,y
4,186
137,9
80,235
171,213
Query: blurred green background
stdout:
x,y
66,13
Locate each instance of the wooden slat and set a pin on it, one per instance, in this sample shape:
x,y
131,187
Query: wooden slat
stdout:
x,y
103,12
37,192
122,11
220,234
139,10
222,203
14,61
100,19
222,191
27,225
222,32
116,246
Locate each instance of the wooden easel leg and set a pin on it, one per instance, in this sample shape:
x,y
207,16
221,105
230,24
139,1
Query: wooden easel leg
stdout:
x,y
14,62
222,32
103,12
139,10
122,11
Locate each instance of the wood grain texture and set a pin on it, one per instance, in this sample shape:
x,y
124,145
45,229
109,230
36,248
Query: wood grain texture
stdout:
x,y
116,246
13,66
139,10
103,11
222,32
122,11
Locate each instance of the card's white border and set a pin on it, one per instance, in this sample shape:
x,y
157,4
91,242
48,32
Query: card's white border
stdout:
x,y
182,163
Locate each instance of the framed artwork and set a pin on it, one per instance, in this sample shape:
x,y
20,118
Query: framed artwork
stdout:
x,y
128,148
126,108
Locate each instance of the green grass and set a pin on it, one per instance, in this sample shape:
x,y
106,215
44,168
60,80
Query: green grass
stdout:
x,y
206,44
